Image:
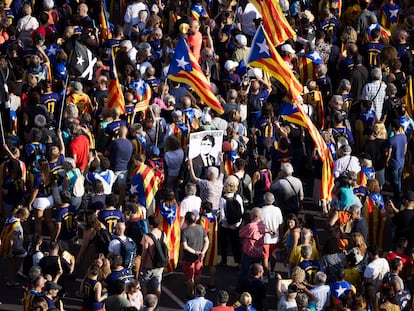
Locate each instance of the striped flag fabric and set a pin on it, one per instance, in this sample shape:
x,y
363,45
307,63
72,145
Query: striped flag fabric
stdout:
x,y
198,10
143,90
103,20
274,21
208,222
115,95
169,217
144,183
7,235
263,55
184,68
408,99
375,214
290,113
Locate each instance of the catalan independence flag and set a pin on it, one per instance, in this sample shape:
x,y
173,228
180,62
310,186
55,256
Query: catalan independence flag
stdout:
x,y
115,95
198,10
264,55
209,223
143,90
408,99
145,184
185,68
274,21
7,234
375,215
291,113
388,15
103,20
169,217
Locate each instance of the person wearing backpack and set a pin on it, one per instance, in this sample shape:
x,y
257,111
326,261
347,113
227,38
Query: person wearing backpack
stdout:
x,y
123,246
231,213
245,182
262,180
151,265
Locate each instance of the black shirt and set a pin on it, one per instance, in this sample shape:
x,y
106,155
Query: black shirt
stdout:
x,y
376,149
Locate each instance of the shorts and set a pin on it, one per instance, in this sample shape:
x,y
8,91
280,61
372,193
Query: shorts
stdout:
x,y
191,269
151,278
43,203
268,249
121,177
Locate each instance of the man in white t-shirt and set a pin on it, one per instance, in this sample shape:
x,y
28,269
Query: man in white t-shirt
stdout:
x,y
191,203
272,218
377,267
321,291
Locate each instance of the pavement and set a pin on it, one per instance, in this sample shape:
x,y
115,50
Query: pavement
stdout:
x,y
173,288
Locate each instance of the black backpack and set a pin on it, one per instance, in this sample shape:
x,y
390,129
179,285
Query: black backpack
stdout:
x,y
128,252
161,257
233,210
244,191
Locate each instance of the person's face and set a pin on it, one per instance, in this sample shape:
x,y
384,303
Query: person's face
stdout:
x,y
291,224
206,147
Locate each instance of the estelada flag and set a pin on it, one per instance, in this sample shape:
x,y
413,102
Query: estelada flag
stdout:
x,y
185,68
7,235
169,217
275,23
144,183
103,20
115,95
264,55
209,223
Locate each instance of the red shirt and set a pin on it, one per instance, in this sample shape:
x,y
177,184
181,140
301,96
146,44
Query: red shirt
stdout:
x,y
253,239
196,40
79,146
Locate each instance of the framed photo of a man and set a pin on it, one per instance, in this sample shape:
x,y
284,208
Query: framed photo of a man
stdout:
x,y
205,148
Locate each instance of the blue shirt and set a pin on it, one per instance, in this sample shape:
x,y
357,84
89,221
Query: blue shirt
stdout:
x,y
198,304
120,152
66,216
397,143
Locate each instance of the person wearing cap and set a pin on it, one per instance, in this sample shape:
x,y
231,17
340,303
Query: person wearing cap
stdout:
x,y
79,98
241,53
229,78
347,162
50,295
396,148
288,190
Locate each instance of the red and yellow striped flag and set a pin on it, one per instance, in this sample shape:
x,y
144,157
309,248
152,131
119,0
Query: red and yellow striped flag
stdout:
x,y
209,224
145,184
274,21
115,95
172,230
103,20
375,215
185,68
7,235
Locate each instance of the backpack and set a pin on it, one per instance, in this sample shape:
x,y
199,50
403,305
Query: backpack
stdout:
x,y
128,252
233,210
244,191
79,186
265,179
161,257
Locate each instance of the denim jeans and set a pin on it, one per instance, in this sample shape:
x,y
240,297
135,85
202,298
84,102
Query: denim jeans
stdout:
x,y
395,174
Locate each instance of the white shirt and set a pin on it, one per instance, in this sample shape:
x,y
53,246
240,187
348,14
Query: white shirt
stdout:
x,y
321,293
246,18
190,203
272,218
26,25
376,270
115,246
222,206
132,12
341,165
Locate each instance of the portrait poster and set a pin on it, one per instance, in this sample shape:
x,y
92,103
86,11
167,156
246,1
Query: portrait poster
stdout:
x,y
205,148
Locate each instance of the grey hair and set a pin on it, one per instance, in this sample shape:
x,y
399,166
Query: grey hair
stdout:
x,y
320,278
156,110
269,198
232,93
306,251
212,172
345,84
190,189
391,89
255,213
322,69
376,74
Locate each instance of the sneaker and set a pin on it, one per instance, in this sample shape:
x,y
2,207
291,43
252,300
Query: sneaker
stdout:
x,y
272,275
265,280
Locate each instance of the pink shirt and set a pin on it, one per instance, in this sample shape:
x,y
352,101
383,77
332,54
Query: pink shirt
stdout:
x,y
253,238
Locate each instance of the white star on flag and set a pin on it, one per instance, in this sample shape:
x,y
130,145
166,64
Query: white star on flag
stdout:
x,y
182,63
140,84
393,13
263,47
80,60
51,50
340,290
134,189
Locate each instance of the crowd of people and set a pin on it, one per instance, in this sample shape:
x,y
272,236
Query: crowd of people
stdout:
x,y
109,185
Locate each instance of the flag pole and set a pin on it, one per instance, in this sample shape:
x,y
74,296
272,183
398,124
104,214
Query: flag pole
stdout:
x,y
1,128
63,102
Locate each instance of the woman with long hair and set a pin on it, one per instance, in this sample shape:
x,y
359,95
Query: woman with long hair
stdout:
x,y
13,187
290,238
91,290
133,294
261,181
41,199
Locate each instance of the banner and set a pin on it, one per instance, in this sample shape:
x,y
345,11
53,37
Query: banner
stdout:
x,y
205,148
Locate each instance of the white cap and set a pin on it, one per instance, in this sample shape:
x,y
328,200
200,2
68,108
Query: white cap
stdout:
x,y
255,73
206,118
126,44
230,64
288,48
241,39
